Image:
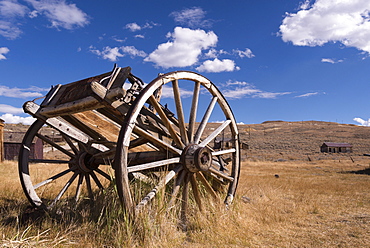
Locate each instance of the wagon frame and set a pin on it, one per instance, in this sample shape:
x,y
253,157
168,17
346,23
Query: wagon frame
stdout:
x,y
115,120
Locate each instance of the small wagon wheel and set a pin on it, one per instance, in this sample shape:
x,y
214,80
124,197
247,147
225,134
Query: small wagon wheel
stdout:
x,y
76,173
188,158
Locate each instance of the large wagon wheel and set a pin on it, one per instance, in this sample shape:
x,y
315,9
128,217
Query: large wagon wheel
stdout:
x,y
188,154
76,173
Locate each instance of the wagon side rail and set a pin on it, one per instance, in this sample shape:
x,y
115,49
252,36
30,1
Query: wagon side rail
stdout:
x,y
91,93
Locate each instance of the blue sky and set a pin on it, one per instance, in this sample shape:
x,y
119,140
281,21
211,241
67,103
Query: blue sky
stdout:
x,y
272,59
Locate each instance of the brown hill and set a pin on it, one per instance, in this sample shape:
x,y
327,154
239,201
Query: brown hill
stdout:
x,y
278,140
281,140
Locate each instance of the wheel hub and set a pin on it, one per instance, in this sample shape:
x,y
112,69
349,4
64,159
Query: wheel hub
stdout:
x,y
84,163
196,158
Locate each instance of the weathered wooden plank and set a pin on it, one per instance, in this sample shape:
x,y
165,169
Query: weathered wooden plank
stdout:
x,y
96,122
57,123
76,90
68,108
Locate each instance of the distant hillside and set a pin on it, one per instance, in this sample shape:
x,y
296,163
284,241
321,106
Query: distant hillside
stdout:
x,y
300,140
280,140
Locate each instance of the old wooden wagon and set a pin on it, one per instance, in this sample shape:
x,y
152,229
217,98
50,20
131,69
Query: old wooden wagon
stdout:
x,y
116,128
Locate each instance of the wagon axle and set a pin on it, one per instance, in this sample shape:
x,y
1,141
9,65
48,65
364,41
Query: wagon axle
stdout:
x,y
85,162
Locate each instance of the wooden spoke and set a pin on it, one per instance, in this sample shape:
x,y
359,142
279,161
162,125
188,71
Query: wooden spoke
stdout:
x,y
195,189
222,152
176,188
221,174
52,143
185,197
50,179
205,119
193,112
96,180
70,143
215,133
160,185
79,184
88,185
206,184
64,189
166,122
152,165
103,174
180,112
154,140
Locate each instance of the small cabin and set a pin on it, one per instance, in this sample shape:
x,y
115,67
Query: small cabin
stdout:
x,y
220,143
332,147
13,142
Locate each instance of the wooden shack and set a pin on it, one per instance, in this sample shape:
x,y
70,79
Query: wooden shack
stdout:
x,y
1,140
13,142
332,147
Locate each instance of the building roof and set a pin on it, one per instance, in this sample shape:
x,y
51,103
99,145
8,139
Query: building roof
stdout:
x,y
13,137
334,144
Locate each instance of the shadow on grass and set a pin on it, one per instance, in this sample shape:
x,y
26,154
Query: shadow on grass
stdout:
x,y
14,212
360,172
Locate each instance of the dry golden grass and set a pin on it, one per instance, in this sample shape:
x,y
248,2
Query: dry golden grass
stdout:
x,y
322,203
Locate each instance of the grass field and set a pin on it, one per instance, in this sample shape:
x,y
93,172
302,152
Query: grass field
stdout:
x,y
324,203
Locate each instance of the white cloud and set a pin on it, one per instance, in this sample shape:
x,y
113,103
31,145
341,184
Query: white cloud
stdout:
x,y
33,14
113,53
31,92
133,27
109,53
305,5
238,90
9,30
213,53
3,50
139,36
247,53
183,49
11,9
308,94
217,65
192,17
4,108
132,51
345,21
331,61
13,119
167,92
60,13
362,122
116,39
